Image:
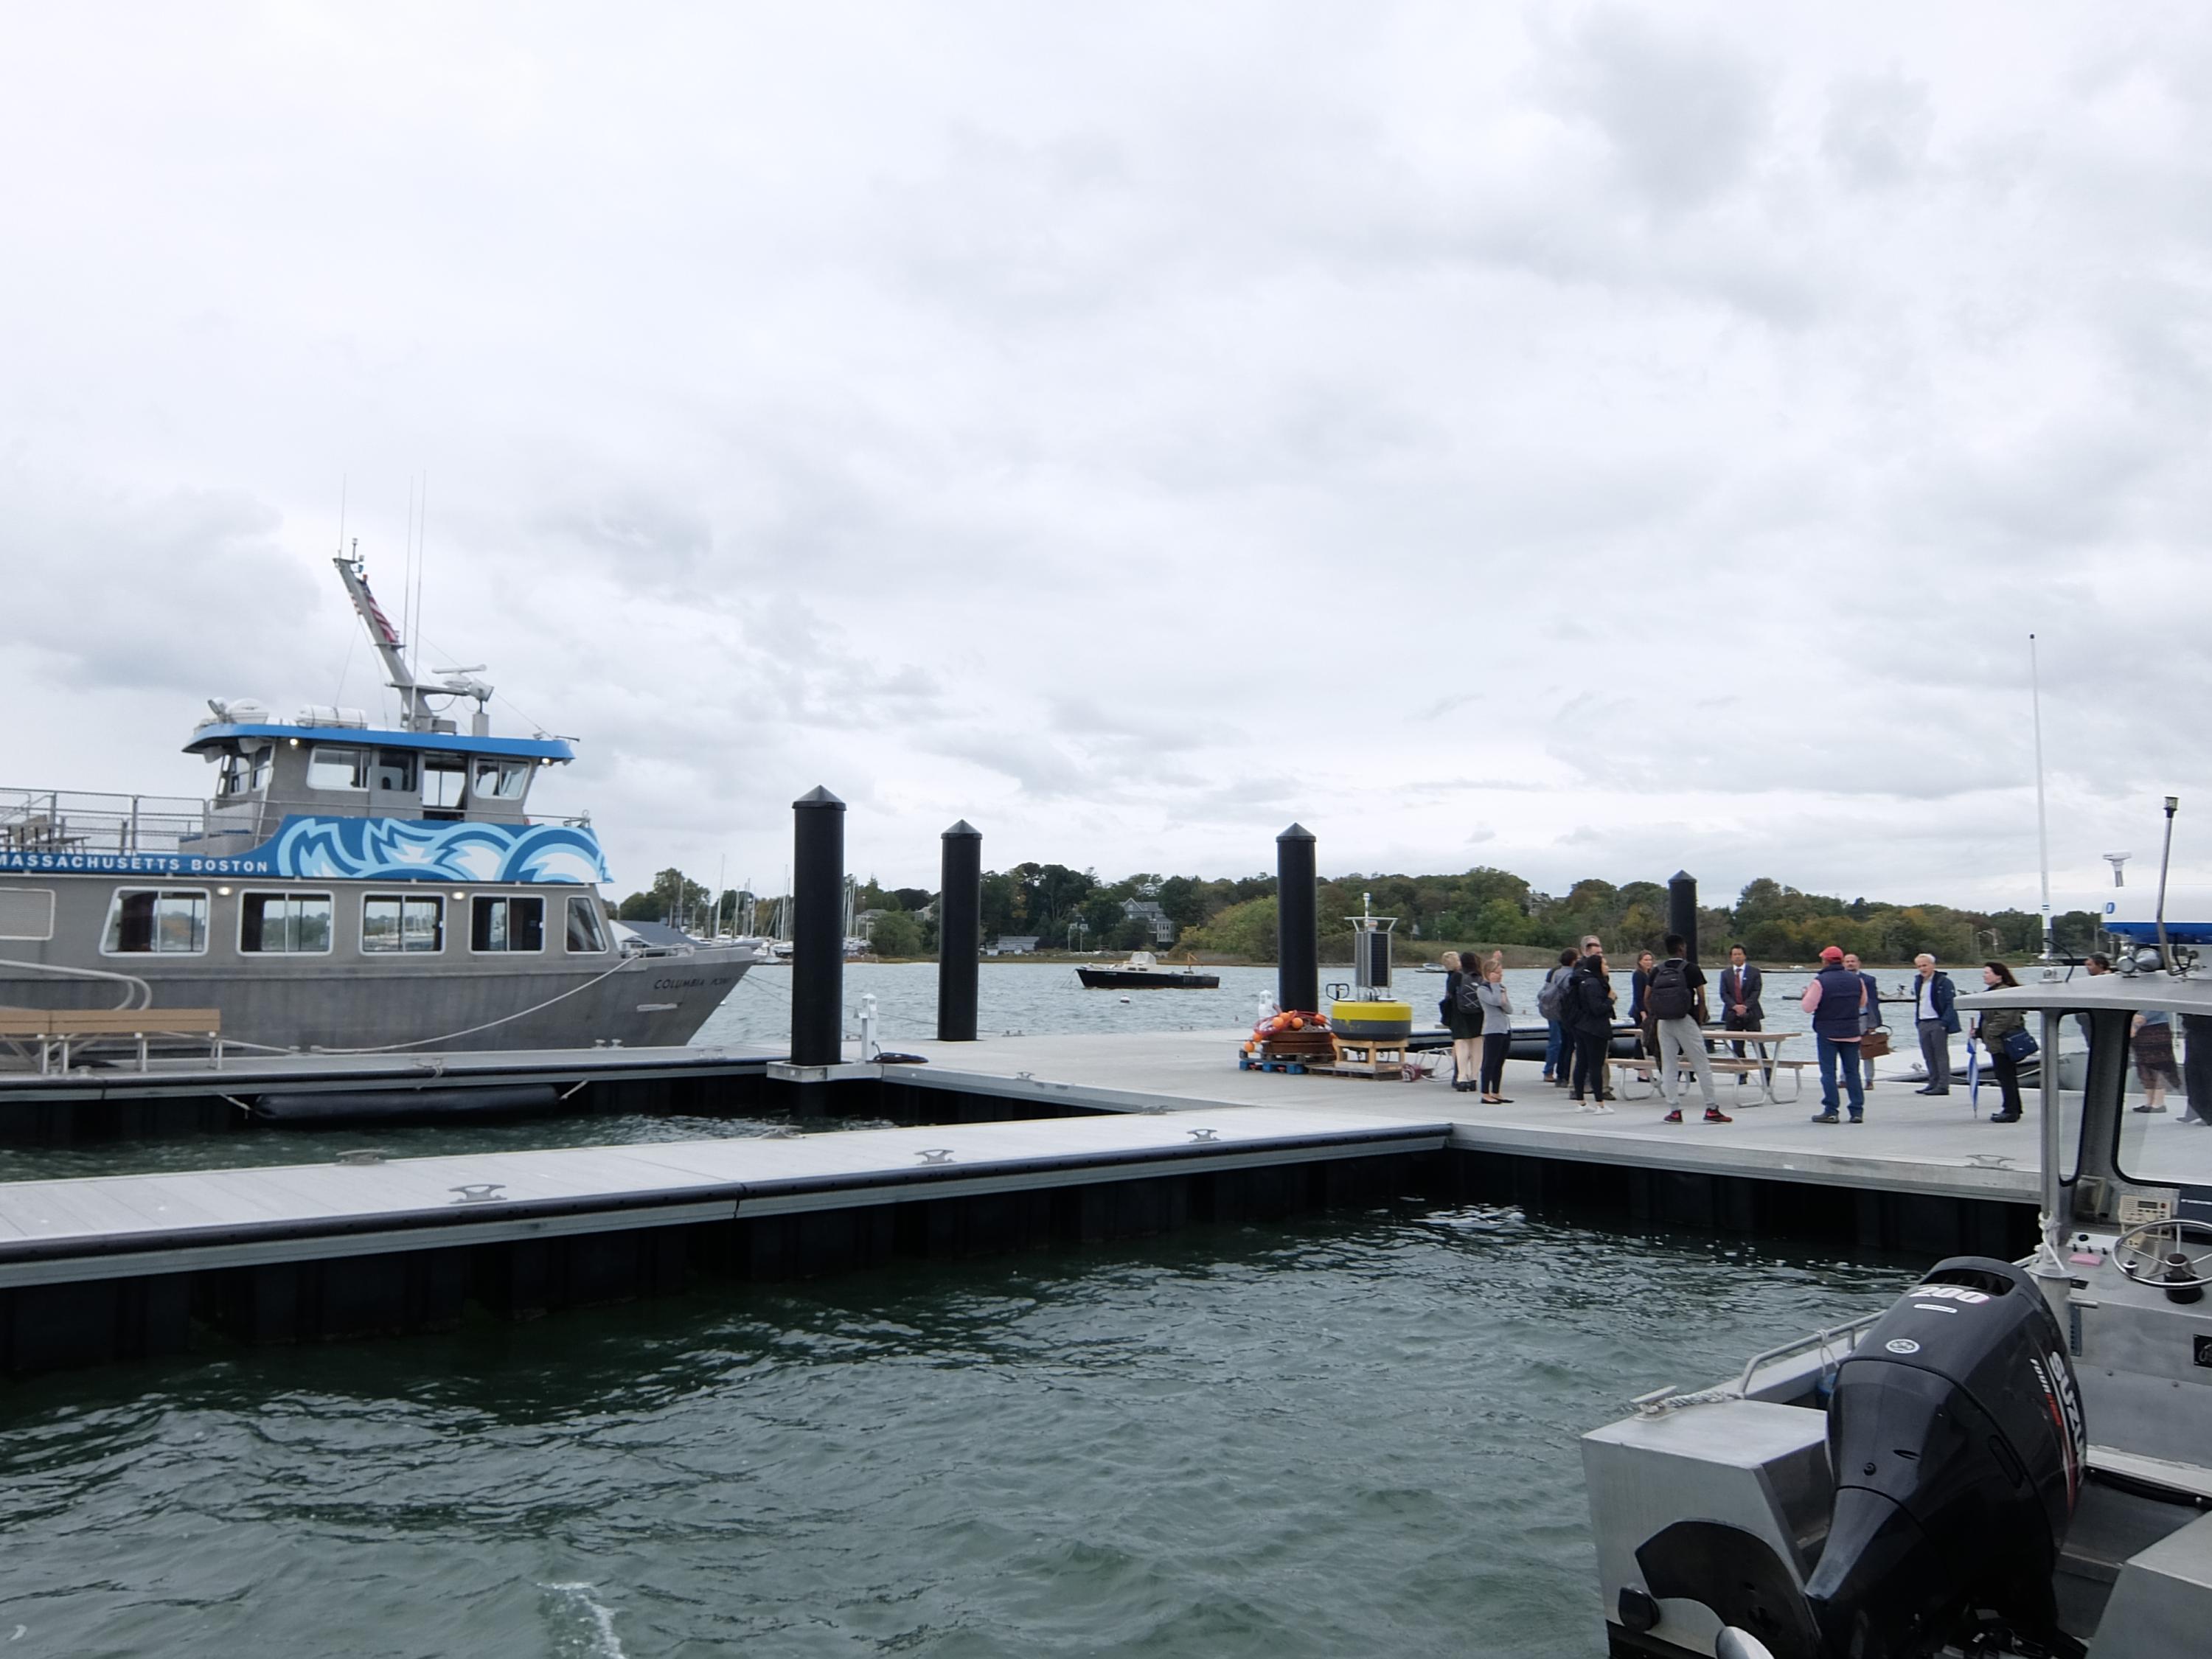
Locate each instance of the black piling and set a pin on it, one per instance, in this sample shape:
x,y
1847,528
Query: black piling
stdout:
x,y
1298,930
1682,911
959,932
818,929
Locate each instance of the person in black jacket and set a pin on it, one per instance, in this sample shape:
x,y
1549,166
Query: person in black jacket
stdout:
x,y
1589,1020
1465,1031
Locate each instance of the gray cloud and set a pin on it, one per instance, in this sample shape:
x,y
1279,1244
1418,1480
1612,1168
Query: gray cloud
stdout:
x,y
1452,427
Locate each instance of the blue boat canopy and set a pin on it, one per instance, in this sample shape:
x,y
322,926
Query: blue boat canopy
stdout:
x,y
219,734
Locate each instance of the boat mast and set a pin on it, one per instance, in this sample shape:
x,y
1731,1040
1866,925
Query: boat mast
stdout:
x,y
414,710
2042,825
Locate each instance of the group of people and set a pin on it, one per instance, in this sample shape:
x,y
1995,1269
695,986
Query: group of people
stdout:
x,y
1668,1006
1479,1014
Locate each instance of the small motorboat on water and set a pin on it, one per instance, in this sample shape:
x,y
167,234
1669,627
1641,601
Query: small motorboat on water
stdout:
x,y
2012,1458
1142,972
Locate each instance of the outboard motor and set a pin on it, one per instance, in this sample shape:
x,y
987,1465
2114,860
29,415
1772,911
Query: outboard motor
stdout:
x,y
1956,1438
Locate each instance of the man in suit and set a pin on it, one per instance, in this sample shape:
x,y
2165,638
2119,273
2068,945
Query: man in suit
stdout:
x,y
1937,1019
1740,1009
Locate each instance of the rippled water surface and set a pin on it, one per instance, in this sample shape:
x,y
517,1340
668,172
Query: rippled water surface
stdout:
x,y
1354,1435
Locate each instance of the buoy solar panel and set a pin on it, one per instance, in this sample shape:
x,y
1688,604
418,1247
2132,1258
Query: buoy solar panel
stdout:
x,y
1378,1022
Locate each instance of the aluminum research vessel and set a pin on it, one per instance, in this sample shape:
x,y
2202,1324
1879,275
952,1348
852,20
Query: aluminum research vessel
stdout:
x,y
345,888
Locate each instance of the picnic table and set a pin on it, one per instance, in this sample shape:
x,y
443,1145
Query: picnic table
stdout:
x,y
1764,1065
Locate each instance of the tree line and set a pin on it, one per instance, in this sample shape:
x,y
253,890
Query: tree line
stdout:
x,y
1235,916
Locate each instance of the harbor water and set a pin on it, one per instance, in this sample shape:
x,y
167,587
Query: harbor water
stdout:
x,y
1352,1434
1034,999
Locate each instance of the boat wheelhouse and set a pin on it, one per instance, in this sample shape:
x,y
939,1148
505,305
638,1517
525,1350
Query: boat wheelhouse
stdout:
x,y
344,886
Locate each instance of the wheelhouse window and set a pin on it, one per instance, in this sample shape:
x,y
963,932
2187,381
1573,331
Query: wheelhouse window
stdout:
x,y
445,780
243,774
26,913
395,921
286,922
503,780
394,771
338,768
587,936
502,921
2168,1070
162,921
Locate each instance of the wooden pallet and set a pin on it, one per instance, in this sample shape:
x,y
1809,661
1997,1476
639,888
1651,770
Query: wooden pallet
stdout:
x,y
1368,1057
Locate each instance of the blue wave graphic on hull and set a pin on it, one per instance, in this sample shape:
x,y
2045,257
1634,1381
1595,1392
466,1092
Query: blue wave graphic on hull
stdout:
x,y
404,849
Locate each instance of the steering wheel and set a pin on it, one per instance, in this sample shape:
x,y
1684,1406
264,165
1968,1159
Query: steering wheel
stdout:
x,y
2138,1253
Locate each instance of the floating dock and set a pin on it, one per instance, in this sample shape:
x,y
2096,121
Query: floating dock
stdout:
x,y
1037,1141
107,1267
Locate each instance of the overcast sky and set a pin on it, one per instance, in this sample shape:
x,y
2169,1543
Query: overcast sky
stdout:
x,y
1587,439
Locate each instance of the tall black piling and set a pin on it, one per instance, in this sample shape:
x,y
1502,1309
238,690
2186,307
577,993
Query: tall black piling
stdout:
x,y
1298,930
959,932
1682,911
818,928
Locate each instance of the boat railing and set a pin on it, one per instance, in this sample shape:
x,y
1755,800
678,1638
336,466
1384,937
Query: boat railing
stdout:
x,y
86,821
1829,1343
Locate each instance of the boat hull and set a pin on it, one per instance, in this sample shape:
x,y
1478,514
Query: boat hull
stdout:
x,y
1142,979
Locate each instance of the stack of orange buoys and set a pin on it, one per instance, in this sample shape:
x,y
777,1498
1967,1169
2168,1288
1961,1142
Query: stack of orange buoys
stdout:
x,y
1295,1033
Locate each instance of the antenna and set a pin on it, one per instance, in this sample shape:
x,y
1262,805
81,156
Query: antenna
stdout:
x,y
422,527
342,513
2042,826
2166,957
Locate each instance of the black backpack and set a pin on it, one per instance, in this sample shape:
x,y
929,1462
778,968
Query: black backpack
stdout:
x,y
1668,996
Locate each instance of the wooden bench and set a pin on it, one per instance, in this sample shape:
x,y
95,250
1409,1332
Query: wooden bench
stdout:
x,y
1721,1064
62,1027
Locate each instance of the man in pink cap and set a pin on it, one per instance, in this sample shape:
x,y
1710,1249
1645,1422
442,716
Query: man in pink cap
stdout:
x,y
1836,999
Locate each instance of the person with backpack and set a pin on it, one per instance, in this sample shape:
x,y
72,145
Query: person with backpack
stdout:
x,y
1675,1002
1836,999
1550,1003
1586,1010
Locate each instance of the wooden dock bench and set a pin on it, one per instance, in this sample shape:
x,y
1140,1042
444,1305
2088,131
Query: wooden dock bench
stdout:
x,y
60,1028
1762,1069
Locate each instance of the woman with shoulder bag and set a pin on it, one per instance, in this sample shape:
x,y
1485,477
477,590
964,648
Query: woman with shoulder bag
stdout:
x,y
1997,1028
1466,1028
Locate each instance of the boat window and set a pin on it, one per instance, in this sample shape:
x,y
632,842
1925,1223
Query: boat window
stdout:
x,y
232,779
586,936
284,921
163,920
394,771
503,780
502,921
390,922
2168,1093
338,768
444,777
28,912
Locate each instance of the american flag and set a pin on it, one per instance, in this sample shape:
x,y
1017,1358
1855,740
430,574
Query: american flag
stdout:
x,y
383,628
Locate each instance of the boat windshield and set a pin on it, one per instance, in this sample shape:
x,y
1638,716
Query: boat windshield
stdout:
x,y
2166,1139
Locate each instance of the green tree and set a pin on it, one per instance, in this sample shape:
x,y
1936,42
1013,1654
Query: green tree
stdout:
x,y
1245,930
896,933
671,899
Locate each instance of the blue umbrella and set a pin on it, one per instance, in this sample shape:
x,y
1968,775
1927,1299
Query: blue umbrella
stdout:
x,y
1973,1077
